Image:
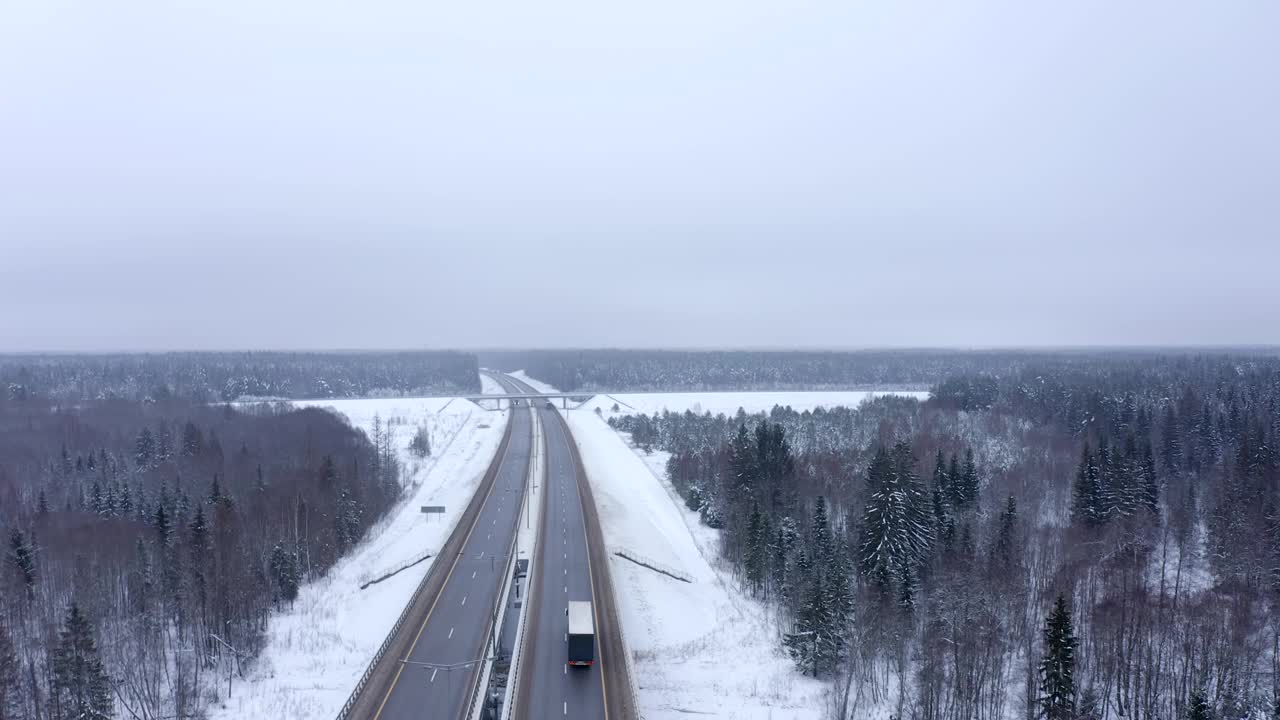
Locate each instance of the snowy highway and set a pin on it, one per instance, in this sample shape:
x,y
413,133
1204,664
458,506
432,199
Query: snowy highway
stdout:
x,y
434,662
570,564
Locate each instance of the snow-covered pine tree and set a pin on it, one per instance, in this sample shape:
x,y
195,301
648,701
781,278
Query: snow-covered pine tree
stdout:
x,y
743,464
1003,549
420,445
908,588
192,440
896,528
1198,707
284,573
163,526
967,484
1171,441
783,545
1058,664
81,688
880,518
757,550
23,557
144,448
953,481
1086,505
1150,482
941,480
346,515
198,536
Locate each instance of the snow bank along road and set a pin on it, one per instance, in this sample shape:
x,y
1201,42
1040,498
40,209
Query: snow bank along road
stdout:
x,y
433,662
571,563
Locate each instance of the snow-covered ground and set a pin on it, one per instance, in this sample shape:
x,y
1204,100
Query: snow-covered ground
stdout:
x,y
489,386
317,649
700,648
729,402
535,384
723,402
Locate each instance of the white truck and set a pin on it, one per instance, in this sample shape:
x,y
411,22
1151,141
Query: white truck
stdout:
x,y
582,633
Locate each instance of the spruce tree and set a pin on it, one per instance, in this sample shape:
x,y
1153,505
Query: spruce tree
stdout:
x,y
1086,507
941,480
1150,483
1004,546
896,528
192,440
907,590
420,445
953,482
144,448
783,544
23,557
1170,442
346,516
757,550
967,485
163,526
1198,706
284,573
81,687
743,464
1058,665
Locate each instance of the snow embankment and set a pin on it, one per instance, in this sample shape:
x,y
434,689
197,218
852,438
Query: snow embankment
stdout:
x,y
317,649
703,647
489,386
533,383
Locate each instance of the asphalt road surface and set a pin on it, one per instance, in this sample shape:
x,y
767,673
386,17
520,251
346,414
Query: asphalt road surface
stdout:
x,y
571,563
449,634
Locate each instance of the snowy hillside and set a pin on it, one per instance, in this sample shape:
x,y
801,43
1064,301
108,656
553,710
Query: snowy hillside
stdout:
x,y
702,647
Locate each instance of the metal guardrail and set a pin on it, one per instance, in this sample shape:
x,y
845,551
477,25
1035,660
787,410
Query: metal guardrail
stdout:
x,y
353,698
396,570
653,565
500,609
632,701
482,680
382,650
513,674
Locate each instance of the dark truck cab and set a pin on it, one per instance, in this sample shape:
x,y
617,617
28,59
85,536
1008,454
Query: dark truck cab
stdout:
x,y
582,635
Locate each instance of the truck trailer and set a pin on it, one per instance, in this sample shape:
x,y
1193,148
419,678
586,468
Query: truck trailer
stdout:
x,y
582,633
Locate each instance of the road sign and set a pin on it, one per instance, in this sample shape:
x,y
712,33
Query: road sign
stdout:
x,y
433,509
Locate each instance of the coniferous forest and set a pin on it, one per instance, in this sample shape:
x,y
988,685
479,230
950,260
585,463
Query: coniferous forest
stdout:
x,y
689,370
146,543
214,376
1087,536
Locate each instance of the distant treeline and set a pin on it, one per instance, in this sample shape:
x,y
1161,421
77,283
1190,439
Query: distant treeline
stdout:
x,y
212,376
640,370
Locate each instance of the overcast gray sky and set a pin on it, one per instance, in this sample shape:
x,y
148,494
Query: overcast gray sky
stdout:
x,y
786,173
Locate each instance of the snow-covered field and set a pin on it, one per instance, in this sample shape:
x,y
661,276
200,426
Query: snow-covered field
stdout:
x,y
724,402
317,649
703,647
729,402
